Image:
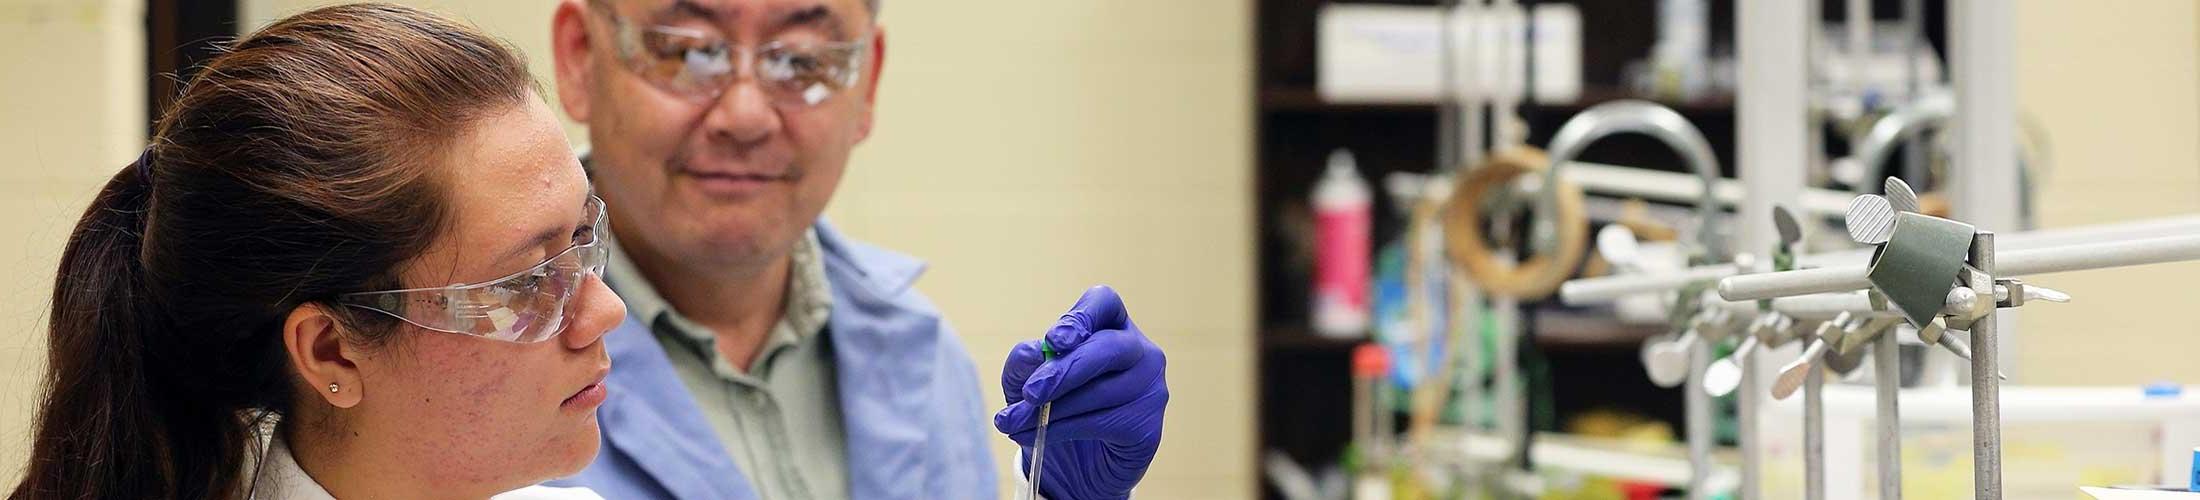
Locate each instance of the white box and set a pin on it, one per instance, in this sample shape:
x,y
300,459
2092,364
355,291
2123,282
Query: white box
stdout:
x,y
2054,439
1394,53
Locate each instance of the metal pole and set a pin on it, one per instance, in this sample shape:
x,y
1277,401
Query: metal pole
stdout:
x,y
1698,407
1985,385
1983,63
2014,263
1793,283
1887,380
1453,98
1984,179
1858,22
1748,404
1511,403
1608,288
1510,24
2099,255
1913,15
1467,319
1653,185
1814,434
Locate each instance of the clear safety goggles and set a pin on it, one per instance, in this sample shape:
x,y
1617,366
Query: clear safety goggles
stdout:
x,y
699,64
524,307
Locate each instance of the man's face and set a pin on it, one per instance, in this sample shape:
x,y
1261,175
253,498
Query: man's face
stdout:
x,y
714,177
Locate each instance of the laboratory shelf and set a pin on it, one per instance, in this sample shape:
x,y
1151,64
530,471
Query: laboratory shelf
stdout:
x,y
1305,99
1662,463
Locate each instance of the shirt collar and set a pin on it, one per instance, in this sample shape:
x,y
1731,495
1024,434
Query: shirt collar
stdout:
x,y
280,477
808,305
625,279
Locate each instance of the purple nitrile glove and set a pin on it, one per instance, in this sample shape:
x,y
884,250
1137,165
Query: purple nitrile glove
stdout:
x,y
1108,389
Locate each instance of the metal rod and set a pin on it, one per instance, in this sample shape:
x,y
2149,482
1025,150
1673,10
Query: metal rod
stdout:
x,y
1698,409
1646,118
1887,381
1595,290
1466,317
1772,155
2098,256
1506,127
1608,288
1808,307
1859,23
2014,263
1510,403
1746,405
1452,149
1899,126
1913,38
1983,186
1793,283
1984,182
1827,305
2043,238
1604,289
1814,434
1985,386
1654,185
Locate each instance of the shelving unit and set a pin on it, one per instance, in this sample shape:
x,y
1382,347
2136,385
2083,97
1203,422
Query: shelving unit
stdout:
x,y
1591,362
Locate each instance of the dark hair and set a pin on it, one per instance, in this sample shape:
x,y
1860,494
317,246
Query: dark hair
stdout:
x,y
298,165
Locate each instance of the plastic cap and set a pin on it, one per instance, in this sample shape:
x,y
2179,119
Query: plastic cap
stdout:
x,y
1370,361
2164,390
1341,159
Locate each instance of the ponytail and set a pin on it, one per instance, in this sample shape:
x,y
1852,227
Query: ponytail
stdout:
x,y
103,429
287,172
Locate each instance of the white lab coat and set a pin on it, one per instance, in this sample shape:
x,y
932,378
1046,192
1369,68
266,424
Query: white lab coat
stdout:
x,y
280,478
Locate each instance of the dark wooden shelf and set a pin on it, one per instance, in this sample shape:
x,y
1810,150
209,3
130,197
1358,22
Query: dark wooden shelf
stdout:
x,y
1299,338
1560,330
1307,100
1555,329
1294,99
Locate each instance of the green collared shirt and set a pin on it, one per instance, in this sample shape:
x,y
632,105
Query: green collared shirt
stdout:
x,y
780,420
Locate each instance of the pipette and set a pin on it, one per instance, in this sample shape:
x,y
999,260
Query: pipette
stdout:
x,y
1039,437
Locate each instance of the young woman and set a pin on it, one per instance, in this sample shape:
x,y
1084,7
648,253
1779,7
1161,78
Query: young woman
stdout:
x,y
359,260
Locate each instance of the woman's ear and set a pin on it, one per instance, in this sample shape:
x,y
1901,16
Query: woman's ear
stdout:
x,y
314,340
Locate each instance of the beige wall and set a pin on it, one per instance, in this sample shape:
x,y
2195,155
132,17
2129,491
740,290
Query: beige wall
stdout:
x,y
1031,149
72,101
2118,90
1088,142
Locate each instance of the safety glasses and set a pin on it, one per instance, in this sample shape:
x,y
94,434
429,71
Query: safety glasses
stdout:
x,y
524,307
701,65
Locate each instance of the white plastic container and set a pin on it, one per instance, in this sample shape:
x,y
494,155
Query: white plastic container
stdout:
x,y
1342,222
2054,439
1395,53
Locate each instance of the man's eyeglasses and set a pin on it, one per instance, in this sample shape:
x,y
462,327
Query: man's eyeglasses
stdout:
x,y
701,65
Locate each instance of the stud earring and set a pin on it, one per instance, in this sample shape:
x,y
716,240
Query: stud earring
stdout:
x,y
331,387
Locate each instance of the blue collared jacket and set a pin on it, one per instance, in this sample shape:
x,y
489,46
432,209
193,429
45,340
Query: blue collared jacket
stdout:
x,y
916,426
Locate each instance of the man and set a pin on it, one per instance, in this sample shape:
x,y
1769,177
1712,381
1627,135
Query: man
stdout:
x,y
766,355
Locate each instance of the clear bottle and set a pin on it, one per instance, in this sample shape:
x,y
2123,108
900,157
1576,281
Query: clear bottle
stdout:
x,y
1342,223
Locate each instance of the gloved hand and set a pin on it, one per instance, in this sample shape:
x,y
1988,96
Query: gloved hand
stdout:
x,y
1108,390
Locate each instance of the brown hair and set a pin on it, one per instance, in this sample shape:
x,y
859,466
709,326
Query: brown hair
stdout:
x,y
296,166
